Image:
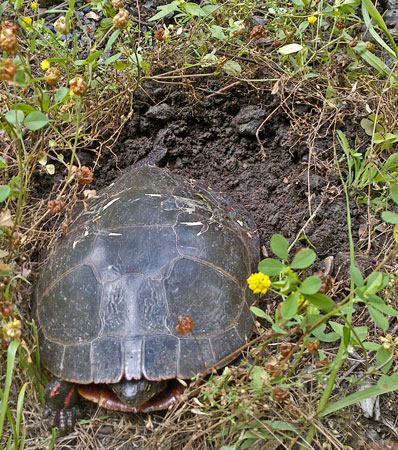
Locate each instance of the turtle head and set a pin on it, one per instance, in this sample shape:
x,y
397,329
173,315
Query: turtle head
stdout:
x,y
137,392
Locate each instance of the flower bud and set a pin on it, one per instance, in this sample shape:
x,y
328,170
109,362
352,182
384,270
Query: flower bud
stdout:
x,y
121,18
78,85
52,76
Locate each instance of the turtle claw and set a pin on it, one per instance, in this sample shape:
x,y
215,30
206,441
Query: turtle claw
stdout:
x,y
63,419
61,408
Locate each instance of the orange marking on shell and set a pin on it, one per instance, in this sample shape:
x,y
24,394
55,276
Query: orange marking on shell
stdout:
x,y
184,324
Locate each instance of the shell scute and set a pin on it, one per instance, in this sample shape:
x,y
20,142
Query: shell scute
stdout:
x,y
195,358
160,362
107,360
206,294
71,307
77,362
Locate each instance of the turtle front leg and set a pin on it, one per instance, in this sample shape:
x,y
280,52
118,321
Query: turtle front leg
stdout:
x,y
60,408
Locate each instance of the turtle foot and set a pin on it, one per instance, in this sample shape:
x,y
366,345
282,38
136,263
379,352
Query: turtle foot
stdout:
x,y
63,419
61,408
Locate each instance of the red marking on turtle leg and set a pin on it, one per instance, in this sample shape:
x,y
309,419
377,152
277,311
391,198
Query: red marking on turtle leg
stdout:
x,y
108,399
55,389
70,393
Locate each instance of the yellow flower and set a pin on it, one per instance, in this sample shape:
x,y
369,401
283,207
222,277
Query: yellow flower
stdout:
x,y
27,22
45,64
259,283
33,5
388,342
302,302
312,19
12,329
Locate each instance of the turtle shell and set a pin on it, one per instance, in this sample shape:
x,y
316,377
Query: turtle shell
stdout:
x,y
152,247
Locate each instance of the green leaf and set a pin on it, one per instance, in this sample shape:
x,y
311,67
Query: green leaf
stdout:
x,y
17,4
360,333
43,101
279,425
270,266
389,216
331,92
290,48
3,6
4,192
279,246
382,356
303,259
289,306
111,40
372,346
164,10
395,233
105,23
310,285
24,107
14,116
2,163
356,276
346,335
378,318
36,120
260,313
193,9
232,68
369,126
337,328
373,283
112,59
373,60
378,138
218,32
367,6
259,377
321,301
394,192
392,162
61,93
280,330
119,65
328,337
384,385
93,56
380,304
209,9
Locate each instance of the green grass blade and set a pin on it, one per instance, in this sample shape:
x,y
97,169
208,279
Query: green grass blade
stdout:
x,y
384,385
20,401
374,33
12,349
369,7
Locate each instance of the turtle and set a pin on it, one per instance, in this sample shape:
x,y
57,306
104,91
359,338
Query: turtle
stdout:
x,y
146,287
